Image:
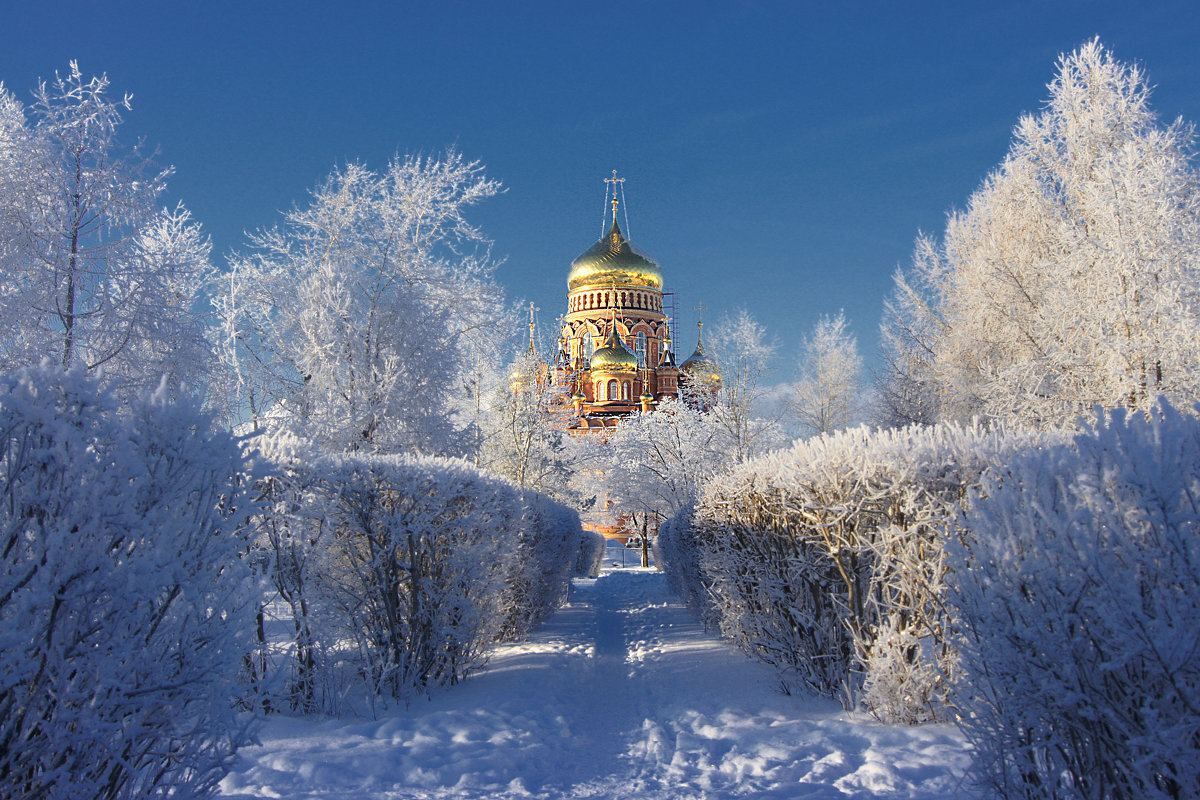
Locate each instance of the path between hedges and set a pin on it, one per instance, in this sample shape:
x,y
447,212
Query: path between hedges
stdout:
x,y
621,695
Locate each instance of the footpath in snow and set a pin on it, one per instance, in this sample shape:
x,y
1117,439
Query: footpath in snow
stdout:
x,y
621,695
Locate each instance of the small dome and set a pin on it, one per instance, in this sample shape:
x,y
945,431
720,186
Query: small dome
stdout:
x,y
612,261
614,356
700,367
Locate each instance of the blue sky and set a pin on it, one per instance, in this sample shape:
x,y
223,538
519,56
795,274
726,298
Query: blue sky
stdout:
x,y
778,156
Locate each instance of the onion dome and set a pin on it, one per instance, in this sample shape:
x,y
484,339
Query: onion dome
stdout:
x,y
699,366
614,356
612,261
645,396
526,371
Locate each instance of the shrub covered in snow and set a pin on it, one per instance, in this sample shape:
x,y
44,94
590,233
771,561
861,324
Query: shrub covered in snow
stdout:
x,y
1079,593
826,560
125,609
402,571
590,557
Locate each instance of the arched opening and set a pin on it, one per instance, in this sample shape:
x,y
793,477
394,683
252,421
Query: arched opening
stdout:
x,y
640,349
612,390
625,395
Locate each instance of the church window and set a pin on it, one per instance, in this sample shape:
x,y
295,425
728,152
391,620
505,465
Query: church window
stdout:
x,y
612,390
641,348
588,346
625,390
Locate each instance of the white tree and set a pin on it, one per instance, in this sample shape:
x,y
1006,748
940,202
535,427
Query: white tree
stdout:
x,y
349,325
1073,277
525,438
742,349
95,273
654,463
828,395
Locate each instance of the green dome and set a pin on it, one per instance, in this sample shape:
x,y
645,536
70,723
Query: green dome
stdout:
x,y
613,261
614,356
700,367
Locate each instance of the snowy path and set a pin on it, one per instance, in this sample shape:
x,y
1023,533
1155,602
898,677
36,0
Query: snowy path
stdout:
x,y
620,695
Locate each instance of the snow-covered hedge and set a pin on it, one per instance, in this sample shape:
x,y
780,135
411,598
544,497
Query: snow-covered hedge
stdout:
x,y
826,560
1079,593
591,555
125,608
402,571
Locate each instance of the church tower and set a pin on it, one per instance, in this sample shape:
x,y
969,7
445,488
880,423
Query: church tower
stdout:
x,y
615,347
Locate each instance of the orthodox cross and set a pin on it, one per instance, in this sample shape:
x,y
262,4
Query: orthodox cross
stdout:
x,y
614,180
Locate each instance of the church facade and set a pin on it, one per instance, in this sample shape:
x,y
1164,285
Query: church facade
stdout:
x,y
614,351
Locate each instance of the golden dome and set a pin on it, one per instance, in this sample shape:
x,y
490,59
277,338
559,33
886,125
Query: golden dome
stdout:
x,y
614,356
613,261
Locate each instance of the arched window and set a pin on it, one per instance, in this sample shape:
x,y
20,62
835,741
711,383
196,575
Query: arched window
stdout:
x,y
641,348
613,391
625,390
588,347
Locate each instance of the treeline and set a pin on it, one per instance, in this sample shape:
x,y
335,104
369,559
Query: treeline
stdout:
x,y
158,576
1036,588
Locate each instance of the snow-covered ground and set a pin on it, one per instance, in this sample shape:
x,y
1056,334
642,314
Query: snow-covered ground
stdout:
x,y
621,695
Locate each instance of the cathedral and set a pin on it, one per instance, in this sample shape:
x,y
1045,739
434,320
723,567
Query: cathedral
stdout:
x,y
614,352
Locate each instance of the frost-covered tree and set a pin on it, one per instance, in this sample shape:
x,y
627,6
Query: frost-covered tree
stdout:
x,y
96,274
828,395
742,348
525,429
125,604
1073,276
653,463
350,324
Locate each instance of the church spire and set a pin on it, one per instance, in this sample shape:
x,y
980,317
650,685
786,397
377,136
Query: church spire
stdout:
x,y
532,351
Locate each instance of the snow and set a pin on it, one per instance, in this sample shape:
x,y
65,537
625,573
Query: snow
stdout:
x,y
621,694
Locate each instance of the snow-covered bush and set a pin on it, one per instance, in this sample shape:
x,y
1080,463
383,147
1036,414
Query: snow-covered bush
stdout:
x,y
125,608
677,553
402,571
826,560
549,545
1079,593
590,557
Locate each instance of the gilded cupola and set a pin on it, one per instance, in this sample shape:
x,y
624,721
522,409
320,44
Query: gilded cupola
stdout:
x,y
612,261
614,356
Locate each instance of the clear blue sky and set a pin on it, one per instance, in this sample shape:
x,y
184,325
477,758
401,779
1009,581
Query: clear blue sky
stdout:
x,y
780,155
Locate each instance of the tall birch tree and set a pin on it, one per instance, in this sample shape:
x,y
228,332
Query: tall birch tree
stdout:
x,y
1072,278
828,395
96,274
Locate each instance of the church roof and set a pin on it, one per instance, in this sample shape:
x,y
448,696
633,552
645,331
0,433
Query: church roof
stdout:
x,y
612,261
